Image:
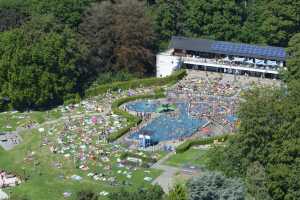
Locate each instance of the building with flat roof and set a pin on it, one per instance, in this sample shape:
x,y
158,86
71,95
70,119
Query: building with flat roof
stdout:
x,y
220,56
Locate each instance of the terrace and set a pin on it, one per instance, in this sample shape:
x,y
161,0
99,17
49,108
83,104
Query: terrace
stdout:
x,y
240,64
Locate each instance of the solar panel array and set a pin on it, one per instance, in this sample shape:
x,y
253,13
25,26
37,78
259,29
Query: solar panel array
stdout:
x,y
250,50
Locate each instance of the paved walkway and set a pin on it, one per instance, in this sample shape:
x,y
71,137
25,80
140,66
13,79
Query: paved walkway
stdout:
x,y
165,180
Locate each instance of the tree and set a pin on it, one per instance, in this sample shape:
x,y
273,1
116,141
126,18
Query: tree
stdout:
x,y
169,18
11,18
120,36
178,192
86,195
151,193
251,31
68,12
280,21
216,19
39,64
268,135
256,181
293,62
215,186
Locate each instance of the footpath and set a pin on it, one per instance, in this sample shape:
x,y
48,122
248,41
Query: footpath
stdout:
x,y
165,180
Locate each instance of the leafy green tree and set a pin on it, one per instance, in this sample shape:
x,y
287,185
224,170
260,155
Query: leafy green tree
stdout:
x,y
67,12
169,18
293,62
280,21
39,64
256,181
269,134
216,19
252,22
215,186
11,18
150,193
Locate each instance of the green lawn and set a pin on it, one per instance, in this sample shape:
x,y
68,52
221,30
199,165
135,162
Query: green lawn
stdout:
x,y
44,181
9,121
191,157
47,182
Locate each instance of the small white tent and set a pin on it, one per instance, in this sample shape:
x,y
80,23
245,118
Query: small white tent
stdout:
x,y
3,195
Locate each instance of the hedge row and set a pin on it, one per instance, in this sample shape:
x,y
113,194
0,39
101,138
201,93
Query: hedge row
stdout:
x,y
178,75
131,119
203,141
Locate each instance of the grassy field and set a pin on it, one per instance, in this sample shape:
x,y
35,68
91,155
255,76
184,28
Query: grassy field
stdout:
x,y
191,157
9,121
47,182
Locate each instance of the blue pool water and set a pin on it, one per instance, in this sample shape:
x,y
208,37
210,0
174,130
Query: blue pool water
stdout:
x,y
232,118
166,127
143,106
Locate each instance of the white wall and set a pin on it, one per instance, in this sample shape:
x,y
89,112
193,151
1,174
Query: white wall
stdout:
x,y
166,64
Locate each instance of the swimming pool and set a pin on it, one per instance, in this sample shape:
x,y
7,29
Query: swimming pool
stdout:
x,y
166,127
147,106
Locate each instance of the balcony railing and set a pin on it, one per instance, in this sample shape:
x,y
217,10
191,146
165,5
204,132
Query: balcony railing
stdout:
x,y
230,64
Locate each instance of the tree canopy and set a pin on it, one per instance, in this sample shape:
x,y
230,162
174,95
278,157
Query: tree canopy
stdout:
x,y
267,142
150,193
39,64
213,185
264,22
120,36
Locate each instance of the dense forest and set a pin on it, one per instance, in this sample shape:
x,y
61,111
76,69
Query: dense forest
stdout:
x,y
52,50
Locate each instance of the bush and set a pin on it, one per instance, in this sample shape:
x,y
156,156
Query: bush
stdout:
x,y
72,99
86,195
202,141
213,185
178,192
178,75
111,77
4,105
153,192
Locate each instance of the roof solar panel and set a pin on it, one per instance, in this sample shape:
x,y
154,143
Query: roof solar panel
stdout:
x,y
249,50
229,48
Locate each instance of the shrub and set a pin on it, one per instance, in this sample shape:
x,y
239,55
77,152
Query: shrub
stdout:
x,y
178,75
153,192
86,195
202,141
111,77
213,185
178,192
72,99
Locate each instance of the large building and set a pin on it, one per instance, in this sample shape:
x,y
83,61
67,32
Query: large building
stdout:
x,y
219,56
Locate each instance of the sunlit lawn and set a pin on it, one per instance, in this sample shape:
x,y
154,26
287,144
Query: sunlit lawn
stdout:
x,y
9,121
192,157
44,180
